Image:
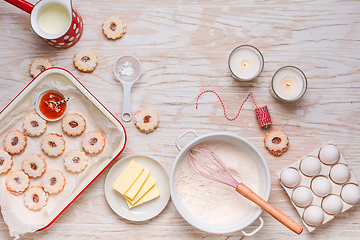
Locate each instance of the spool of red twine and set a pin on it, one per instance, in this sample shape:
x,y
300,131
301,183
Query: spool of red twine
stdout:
x,y
263,116
262,113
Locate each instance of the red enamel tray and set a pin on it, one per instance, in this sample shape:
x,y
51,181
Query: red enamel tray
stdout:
x,y
65,78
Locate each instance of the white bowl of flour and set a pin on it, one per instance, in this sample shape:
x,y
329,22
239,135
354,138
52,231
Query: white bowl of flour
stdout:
x,y
215,207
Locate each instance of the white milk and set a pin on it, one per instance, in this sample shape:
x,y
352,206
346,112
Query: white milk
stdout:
x,y
54,18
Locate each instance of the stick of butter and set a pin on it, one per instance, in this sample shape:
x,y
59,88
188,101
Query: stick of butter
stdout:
x,y
139,182
150,182
128,177
150,195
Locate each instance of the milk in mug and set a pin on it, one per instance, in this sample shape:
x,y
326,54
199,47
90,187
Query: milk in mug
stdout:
x,y
54,18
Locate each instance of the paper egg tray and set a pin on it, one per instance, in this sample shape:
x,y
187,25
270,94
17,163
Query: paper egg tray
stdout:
x,y
306,182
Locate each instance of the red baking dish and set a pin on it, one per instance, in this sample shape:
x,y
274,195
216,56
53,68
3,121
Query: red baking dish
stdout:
x,y
65,78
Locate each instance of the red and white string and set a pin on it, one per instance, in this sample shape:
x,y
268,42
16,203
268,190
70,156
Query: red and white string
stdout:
x,y
262,113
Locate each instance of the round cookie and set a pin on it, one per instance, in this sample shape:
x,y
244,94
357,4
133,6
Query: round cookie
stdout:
x,y
73,124
39,65
34,125
146,120
276,142
34,165
53,181
6,162
85,60
15,142
114,27
17,182
93,142
75,161
35,198
53,144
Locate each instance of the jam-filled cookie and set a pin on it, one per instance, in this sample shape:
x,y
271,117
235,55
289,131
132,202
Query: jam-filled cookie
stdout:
x,y
85,60
53,181
276,142
75,161
35,198
17,182
15,142
34,165
53,144
73,124
146,120
39,65
6,162
93,142
34,125
114,27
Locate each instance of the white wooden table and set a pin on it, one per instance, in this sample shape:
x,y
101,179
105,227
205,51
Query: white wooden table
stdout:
x,y
183,47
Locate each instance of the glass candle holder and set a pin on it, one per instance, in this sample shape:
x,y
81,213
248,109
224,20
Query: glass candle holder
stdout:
x,y
288,84
245,63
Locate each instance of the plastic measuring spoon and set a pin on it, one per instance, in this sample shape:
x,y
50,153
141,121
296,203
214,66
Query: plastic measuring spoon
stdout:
x,y
127,70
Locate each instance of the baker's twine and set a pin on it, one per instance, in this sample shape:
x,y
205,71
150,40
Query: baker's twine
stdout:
x,y
262,113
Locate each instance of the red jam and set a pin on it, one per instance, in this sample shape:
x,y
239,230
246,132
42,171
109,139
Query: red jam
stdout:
x,y
48,108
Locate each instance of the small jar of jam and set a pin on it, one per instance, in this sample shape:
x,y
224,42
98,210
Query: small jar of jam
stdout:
x,y
46,107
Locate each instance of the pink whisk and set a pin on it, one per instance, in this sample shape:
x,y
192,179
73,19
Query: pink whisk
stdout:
x,y
214,169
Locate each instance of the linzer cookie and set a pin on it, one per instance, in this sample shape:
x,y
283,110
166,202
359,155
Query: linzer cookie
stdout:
x,y
146,120
53,181
93,142
85,60
114,27
34,125
17,182
276,142
35,198
34,165
39,65
53,144
15,142
75,161
73,124
6,162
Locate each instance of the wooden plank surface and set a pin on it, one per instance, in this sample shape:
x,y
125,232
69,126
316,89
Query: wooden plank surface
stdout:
x,y
183,47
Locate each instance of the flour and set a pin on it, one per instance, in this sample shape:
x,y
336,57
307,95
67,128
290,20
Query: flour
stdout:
x,y
209,200
126,69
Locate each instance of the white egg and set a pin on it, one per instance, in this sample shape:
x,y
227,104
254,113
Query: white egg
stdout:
x,y
321,186
332,204
339,173
329,154
290,177
310,166
302,196
313,215
350,193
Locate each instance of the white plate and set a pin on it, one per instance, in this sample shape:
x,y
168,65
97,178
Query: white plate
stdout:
x,y
146,210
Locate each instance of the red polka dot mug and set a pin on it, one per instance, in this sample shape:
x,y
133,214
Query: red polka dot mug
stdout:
x,y
55,21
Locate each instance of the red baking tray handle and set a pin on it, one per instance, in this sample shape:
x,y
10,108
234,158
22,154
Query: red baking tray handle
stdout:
x,y
22,4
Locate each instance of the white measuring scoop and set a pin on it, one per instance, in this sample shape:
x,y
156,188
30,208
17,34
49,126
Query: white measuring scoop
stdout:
x,y
127,70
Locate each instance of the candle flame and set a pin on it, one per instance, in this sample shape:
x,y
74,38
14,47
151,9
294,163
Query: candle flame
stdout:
x,y
287,84
245,64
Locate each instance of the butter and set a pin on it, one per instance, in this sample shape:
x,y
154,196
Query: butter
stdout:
x,y
137,185
128,177
149,183
150,195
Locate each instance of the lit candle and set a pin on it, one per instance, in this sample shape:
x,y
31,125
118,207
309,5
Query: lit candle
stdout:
x,y
288,84
245,63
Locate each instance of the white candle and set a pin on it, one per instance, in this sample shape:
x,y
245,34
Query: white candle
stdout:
x,y
288,83
245,63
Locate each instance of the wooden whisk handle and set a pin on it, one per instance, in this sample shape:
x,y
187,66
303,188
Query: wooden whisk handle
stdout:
x,y
273,211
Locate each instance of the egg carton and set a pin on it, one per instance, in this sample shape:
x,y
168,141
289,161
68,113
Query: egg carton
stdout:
x,y
318,200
